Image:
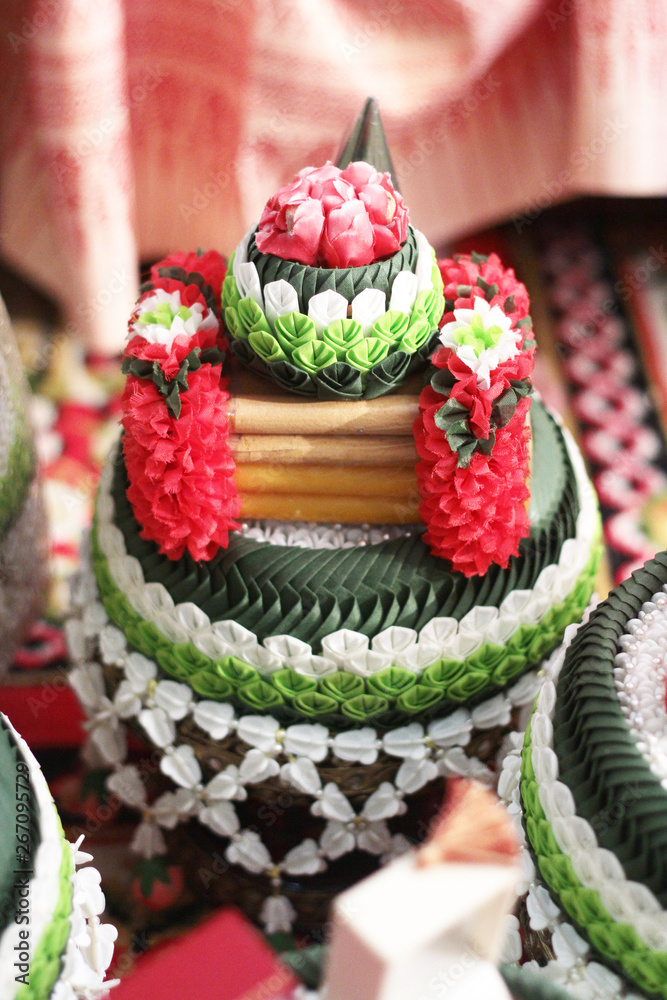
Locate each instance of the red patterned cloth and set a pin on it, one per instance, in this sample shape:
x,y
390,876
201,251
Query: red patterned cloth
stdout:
x,y
126,133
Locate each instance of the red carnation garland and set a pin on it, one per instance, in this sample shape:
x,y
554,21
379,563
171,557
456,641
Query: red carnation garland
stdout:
x,y
174,414
472,438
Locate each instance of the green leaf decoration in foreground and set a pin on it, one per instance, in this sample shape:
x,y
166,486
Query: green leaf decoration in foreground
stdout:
x,y
266,346
430,305
367,353
342,335
230,293
293,330
416,335
339,381
391,326
252,317
314,355
234,324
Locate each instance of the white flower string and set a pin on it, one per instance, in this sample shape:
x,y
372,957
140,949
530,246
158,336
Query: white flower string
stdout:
x,y
290,754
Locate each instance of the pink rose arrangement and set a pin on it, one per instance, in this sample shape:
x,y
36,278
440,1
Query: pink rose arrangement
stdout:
x,y
328,217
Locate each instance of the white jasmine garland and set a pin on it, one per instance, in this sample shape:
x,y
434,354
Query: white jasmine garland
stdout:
x,y
200,318
476,322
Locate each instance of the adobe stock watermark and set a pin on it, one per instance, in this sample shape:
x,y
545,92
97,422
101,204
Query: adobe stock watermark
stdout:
x,y
579,159
378,20
92,137
457,112
558,15
219,180
44,12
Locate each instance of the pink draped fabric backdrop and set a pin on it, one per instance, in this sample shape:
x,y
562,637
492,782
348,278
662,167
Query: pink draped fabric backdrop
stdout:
x,y
134,128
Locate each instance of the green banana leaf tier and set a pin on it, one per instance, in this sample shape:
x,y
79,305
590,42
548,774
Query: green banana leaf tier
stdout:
x,y
588,783
310,687
23,543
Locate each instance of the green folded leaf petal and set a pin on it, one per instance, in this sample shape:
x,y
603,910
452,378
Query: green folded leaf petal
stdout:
x,y
234,324
211,685
368,352
266,346
342,686
292,684
391,326
342,335
293,330
314,356
339,381
392,682
230,293
364,707
417,334
252,317
260,695
419,698
313,704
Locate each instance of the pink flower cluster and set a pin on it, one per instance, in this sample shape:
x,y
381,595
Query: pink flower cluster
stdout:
x,y
328,217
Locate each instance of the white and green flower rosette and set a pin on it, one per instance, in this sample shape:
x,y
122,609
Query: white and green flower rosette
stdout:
x,y
334,333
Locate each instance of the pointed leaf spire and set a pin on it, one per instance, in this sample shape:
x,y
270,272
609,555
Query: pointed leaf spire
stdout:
x,y
368,142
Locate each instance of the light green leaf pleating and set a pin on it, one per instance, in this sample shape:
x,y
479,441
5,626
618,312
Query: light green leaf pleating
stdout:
x,y
293,330
252,317
436,278
368,352
234,324
266,346
416,335
390,326
314,356
230,292
342,335
429,304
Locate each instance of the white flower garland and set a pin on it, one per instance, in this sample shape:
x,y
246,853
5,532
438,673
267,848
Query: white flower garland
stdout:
x,y
290,755
640,675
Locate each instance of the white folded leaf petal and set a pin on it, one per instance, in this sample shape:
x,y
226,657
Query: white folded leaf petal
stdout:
x,y
191,617
249,851
258,731
304,859
438,631
305,740
287,647
214,717
257,767
226,785
277,915
171,807
234,634
383,803
148,841
454,730
125,701
279,298
395,639
159,727
337,840
425,262
414,774
404,292
313,666
326,307
140,671
174,698
406,742
357,745
126,783
182,767
88,682
368,306
110,742
248,283
76,640
220,817
333,805
494,712
112,645
375,839
302,775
